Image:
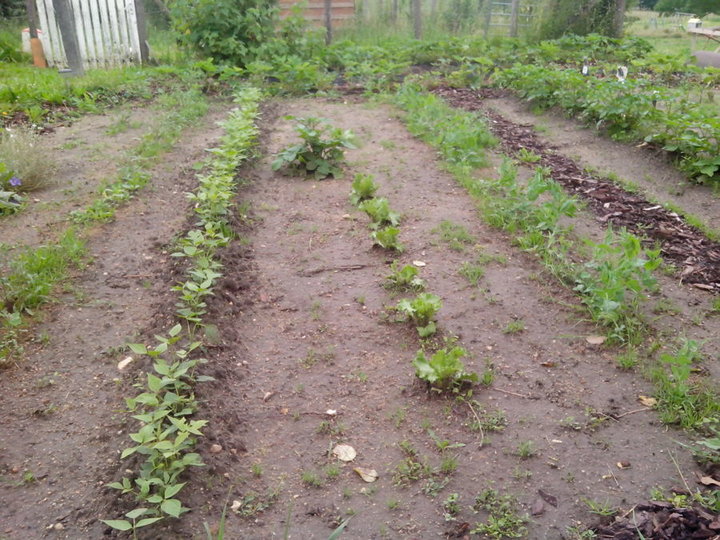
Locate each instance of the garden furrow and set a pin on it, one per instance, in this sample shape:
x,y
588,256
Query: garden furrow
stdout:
x,y
305,329
693,253
60,430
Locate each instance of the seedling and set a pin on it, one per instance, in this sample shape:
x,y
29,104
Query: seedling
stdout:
x,y
472,272
444,371
133,521
451,507
405,278
433,487
527,156
363,188
387,238
600,509
627,360
421,310
322,151
378,209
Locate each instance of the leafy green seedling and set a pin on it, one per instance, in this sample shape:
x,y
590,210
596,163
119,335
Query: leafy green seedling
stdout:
x,y
405,278
421,310
444,370
322,151
363,188
378,209
387,238
132,523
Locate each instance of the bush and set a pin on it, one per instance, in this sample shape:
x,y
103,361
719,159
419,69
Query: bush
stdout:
x,y
227,30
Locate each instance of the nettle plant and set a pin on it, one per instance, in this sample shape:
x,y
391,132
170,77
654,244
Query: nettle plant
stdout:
x,y
444,371
421,310
321,152
363,188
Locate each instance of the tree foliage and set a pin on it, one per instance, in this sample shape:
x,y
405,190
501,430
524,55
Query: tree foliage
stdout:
x,y
698,7
12,8
581,17
226,30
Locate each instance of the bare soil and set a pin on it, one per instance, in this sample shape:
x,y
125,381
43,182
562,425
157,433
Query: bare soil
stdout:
x,y
306,328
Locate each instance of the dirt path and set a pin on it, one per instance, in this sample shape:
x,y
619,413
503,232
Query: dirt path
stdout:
x,y
305,328
61,406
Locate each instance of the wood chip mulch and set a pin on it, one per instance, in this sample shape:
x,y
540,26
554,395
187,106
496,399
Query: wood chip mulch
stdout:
x,y
694,254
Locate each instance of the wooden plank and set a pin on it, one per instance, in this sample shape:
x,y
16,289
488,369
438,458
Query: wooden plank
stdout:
x,y
87,49
123,28
133,30
94,22
59,48
116,48
107,59
45,27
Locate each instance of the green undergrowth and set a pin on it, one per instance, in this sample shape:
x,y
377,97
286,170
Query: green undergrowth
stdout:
x,y
29,281
44,96
165,406
180,110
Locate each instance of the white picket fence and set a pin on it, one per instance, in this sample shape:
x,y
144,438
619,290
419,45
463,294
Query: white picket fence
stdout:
x,y
107,33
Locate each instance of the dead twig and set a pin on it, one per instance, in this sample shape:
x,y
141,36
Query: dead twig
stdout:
x,y
343,268
512,393
632,412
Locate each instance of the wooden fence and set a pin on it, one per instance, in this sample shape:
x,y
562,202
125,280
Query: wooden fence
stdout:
x,y
107,33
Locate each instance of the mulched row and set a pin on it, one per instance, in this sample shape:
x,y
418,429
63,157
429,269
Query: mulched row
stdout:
x,y
694,254
661,521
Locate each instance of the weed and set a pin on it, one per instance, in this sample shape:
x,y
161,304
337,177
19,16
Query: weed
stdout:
x,y
577,532
314,356
405,278
322,151
455,236
407,448
360,376
527,156
444,371
521,474
681,400
398,417
433,487
488,375
257,470
503,520
525,450
332,471
253,503
514,327
311,479
409,470
472,272
421,310
628,359
393,504
451,506
31,164
360,300
489,421
121,124
329,427
363,188
315,310
600,509
448,465
442,444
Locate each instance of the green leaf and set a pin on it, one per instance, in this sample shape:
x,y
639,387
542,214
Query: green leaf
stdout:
x,y
119,524
154,383
147,521
171,491
136,513
138,348
171,507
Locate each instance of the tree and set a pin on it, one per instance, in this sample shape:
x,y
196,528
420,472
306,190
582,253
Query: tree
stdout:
x,y
582,17
698,7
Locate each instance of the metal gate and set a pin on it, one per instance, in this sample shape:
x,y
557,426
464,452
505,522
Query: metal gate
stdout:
x,y
511,16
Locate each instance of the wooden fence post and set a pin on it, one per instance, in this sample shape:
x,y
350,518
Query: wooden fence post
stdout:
x,y
328,22
417,18
514,11
69,36
142,31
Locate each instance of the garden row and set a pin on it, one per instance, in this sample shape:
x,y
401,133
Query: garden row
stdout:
x,y
613,281
167,403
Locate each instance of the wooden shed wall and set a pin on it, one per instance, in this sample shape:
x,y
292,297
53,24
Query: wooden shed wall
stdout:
x,y
341,10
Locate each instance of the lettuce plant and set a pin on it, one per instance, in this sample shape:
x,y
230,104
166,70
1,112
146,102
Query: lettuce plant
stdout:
x,y
444,370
